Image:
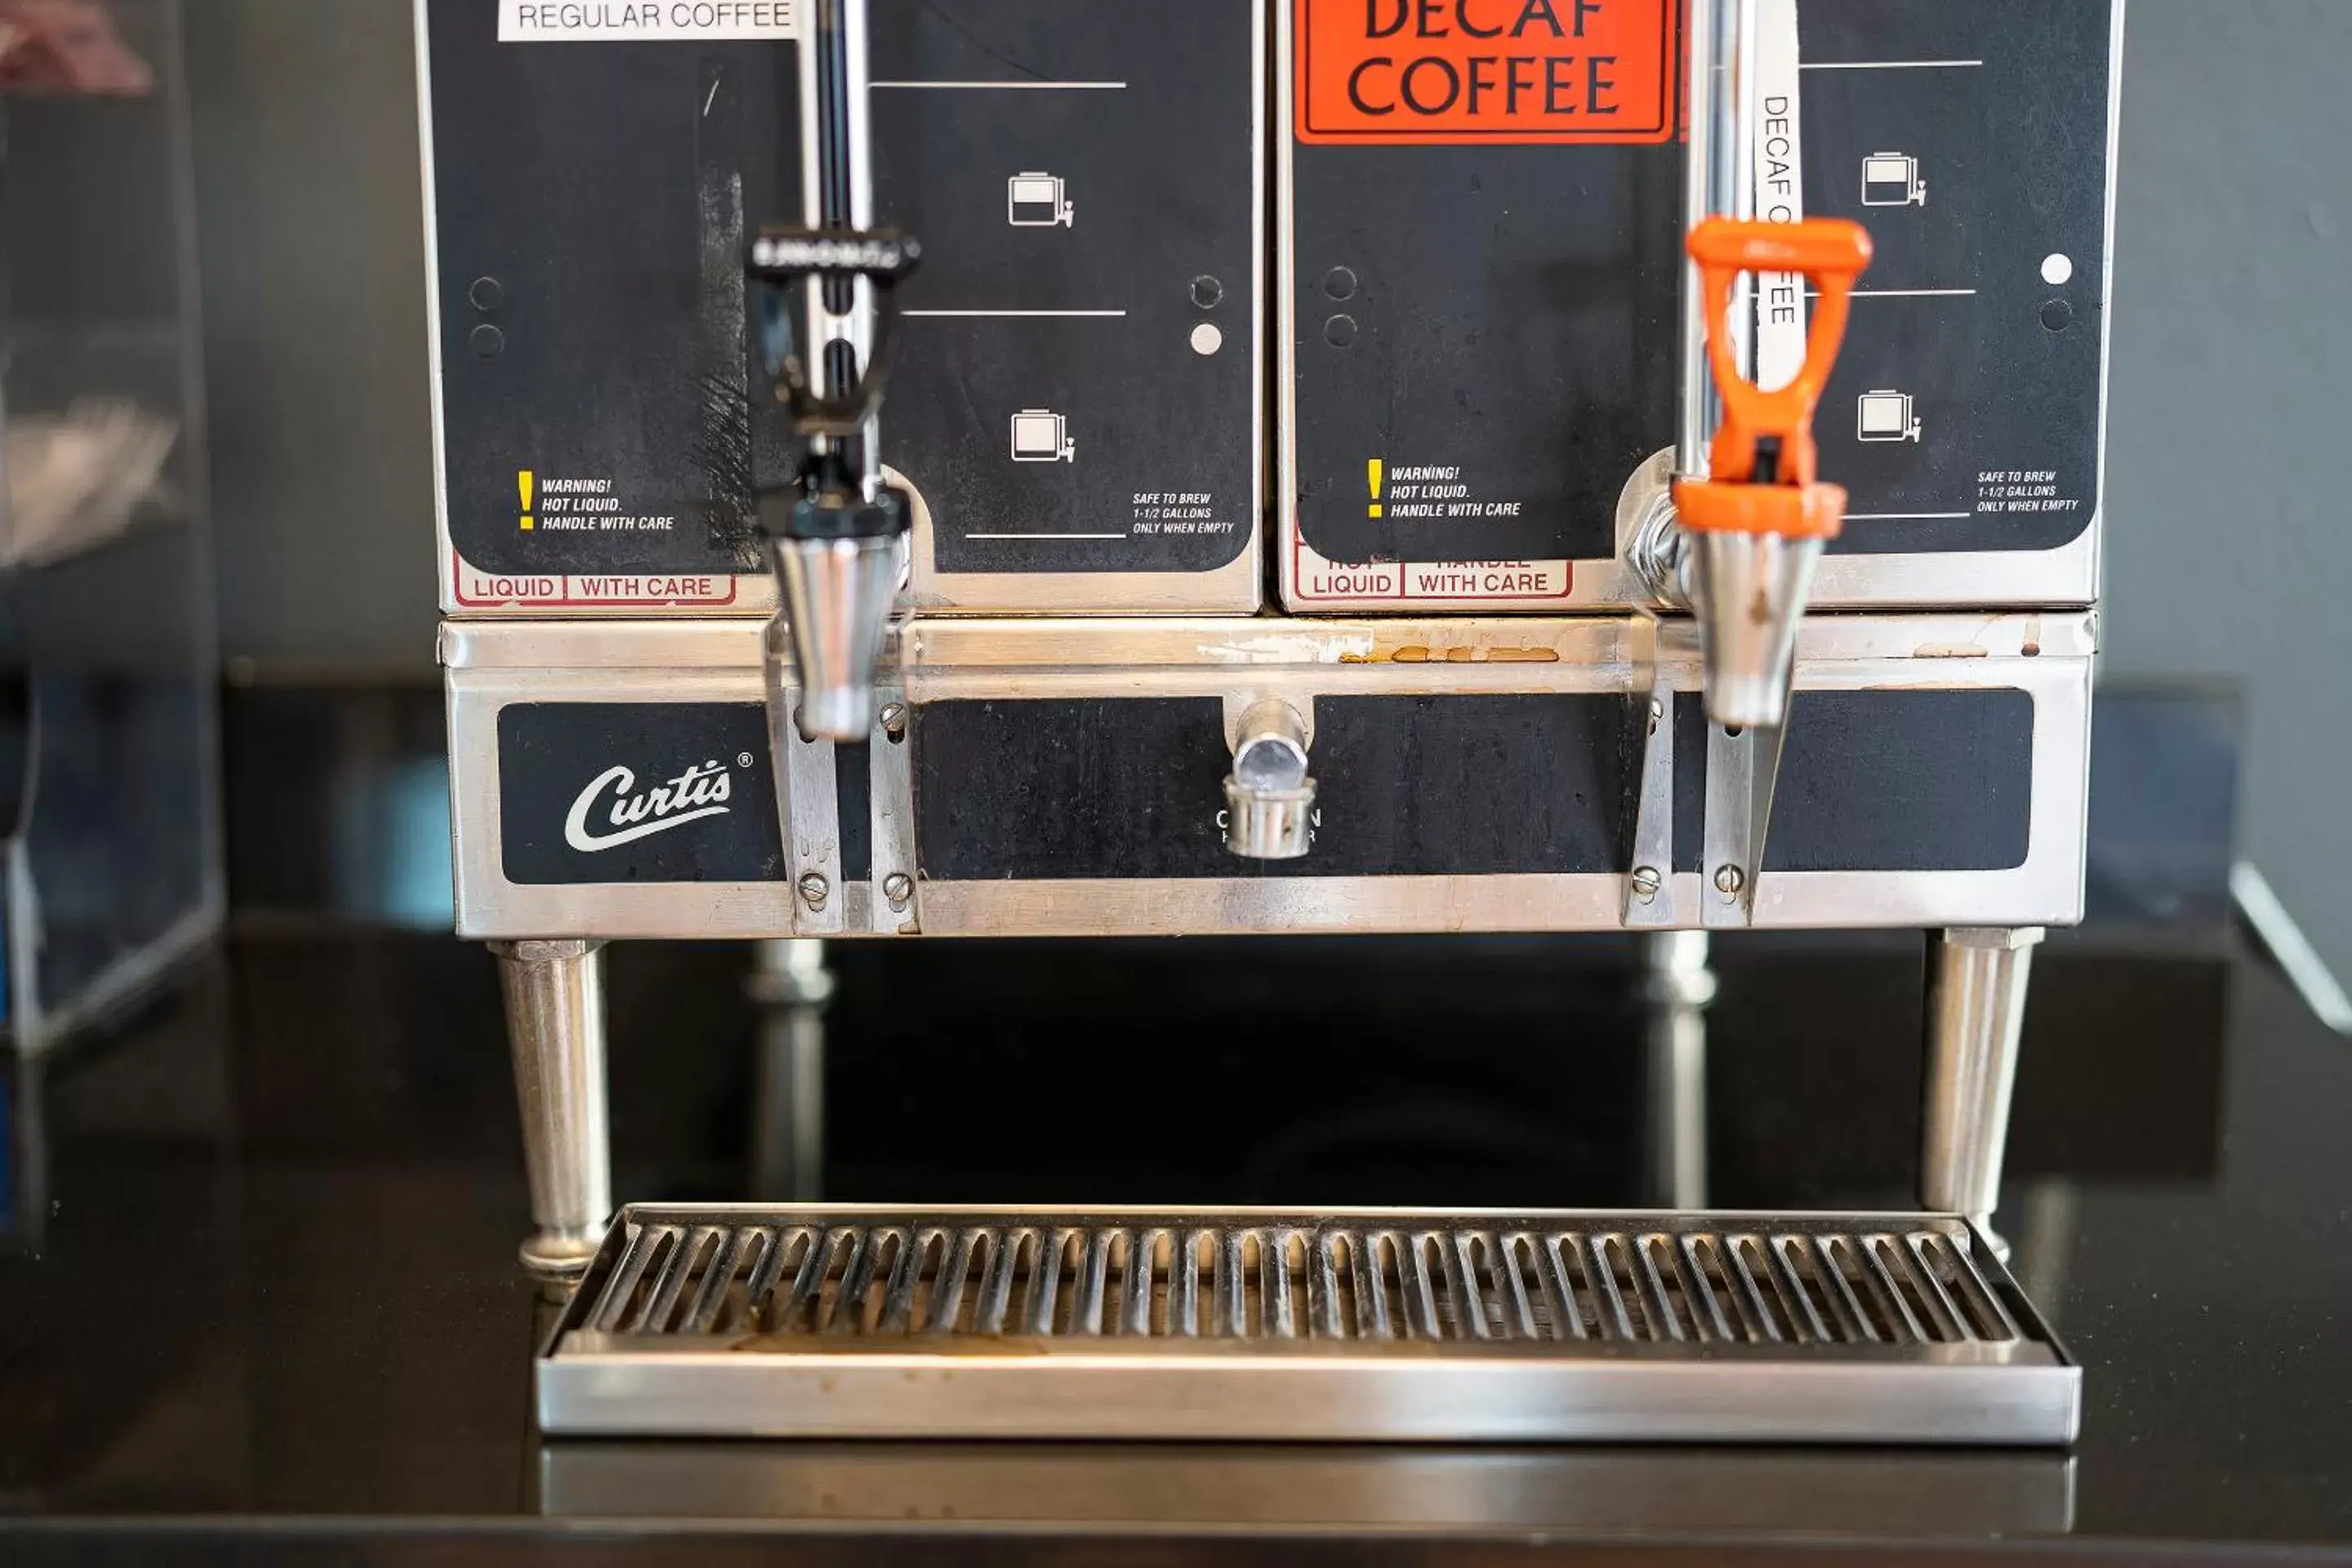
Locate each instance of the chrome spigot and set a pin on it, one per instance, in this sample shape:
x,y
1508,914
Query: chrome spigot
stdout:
x,y
833,532
837,593
1269,798
1750,590
1757,522
834,529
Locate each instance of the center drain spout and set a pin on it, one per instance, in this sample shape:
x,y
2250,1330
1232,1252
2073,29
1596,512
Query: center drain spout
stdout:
x,y
1270,796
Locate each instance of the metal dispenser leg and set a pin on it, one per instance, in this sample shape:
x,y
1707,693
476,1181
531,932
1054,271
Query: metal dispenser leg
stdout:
x,y
1976,1013
555,1025
1676,988
791,985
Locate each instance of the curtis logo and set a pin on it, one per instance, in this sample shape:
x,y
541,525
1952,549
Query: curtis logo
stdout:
x,y
697,793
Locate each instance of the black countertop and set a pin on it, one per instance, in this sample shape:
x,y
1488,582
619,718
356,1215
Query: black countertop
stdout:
x,y
258,1295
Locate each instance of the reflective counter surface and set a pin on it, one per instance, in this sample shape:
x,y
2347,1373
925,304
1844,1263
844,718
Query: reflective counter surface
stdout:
x,y
260,1241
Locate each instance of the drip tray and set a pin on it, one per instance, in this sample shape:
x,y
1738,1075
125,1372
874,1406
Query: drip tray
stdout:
x,y
848,1320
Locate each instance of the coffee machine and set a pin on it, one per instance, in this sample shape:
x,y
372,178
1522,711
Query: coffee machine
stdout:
x,y
1046,467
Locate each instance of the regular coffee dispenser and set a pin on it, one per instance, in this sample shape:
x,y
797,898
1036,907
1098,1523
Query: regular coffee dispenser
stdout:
x,y
1051,468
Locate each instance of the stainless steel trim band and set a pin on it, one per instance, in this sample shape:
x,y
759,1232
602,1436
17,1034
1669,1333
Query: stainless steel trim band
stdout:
x,y
491,667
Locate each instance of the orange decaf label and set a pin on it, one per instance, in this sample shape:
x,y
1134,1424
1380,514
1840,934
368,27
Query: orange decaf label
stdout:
x,y
1434,72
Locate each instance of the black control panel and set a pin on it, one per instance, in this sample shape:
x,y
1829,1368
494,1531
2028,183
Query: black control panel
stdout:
x,y
1078,373
1485,305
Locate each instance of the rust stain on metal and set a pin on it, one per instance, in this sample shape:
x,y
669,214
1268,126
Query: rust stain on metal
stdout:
x,y
1951,650
1417,653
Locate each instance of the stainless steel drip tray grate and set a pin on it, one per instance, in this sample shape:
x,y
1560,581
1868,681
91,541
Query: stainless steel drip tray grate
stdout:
x,y
854,1320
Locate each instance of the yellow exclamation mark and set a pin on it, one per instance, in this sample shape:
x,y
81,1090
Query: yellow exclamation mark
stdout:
x,y
522,492
1373,474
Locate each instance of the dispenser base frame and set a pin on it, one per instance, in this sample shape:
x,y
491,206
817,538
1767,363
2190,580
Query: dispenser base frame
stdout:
x,y
495,669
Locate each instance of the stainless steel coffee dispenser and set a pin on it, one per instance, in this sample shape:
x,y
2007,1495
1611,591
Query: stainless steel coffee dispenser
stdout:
x,y
1059,661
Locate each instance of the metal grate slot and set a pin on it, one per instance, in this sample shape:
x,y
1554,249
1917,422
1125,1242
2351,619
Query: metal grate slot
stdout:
x,y
1027,1305
1287,1283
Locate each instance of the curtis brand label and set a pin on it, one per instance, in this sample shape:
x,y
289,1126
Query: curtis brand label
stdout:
x,y
636,792
1434,72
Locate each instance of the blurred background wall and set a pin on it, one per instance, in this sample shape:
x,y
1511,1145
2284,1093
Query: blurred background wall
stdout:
x,y
2228,554
311,232
2232,329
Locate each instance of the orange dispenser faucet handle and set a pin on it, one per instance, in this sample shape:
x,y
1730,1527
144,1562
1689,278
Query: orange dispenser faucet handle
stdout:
x,y
1763,458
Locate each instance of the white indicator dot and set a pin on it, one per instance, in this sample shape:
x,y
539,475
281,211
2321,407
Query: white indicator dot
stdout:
x,y
1206,339
2057,270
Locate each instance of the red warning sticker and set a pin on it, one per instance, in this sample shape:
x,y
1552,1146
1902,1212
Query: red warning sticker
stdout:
x,y
1441,72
